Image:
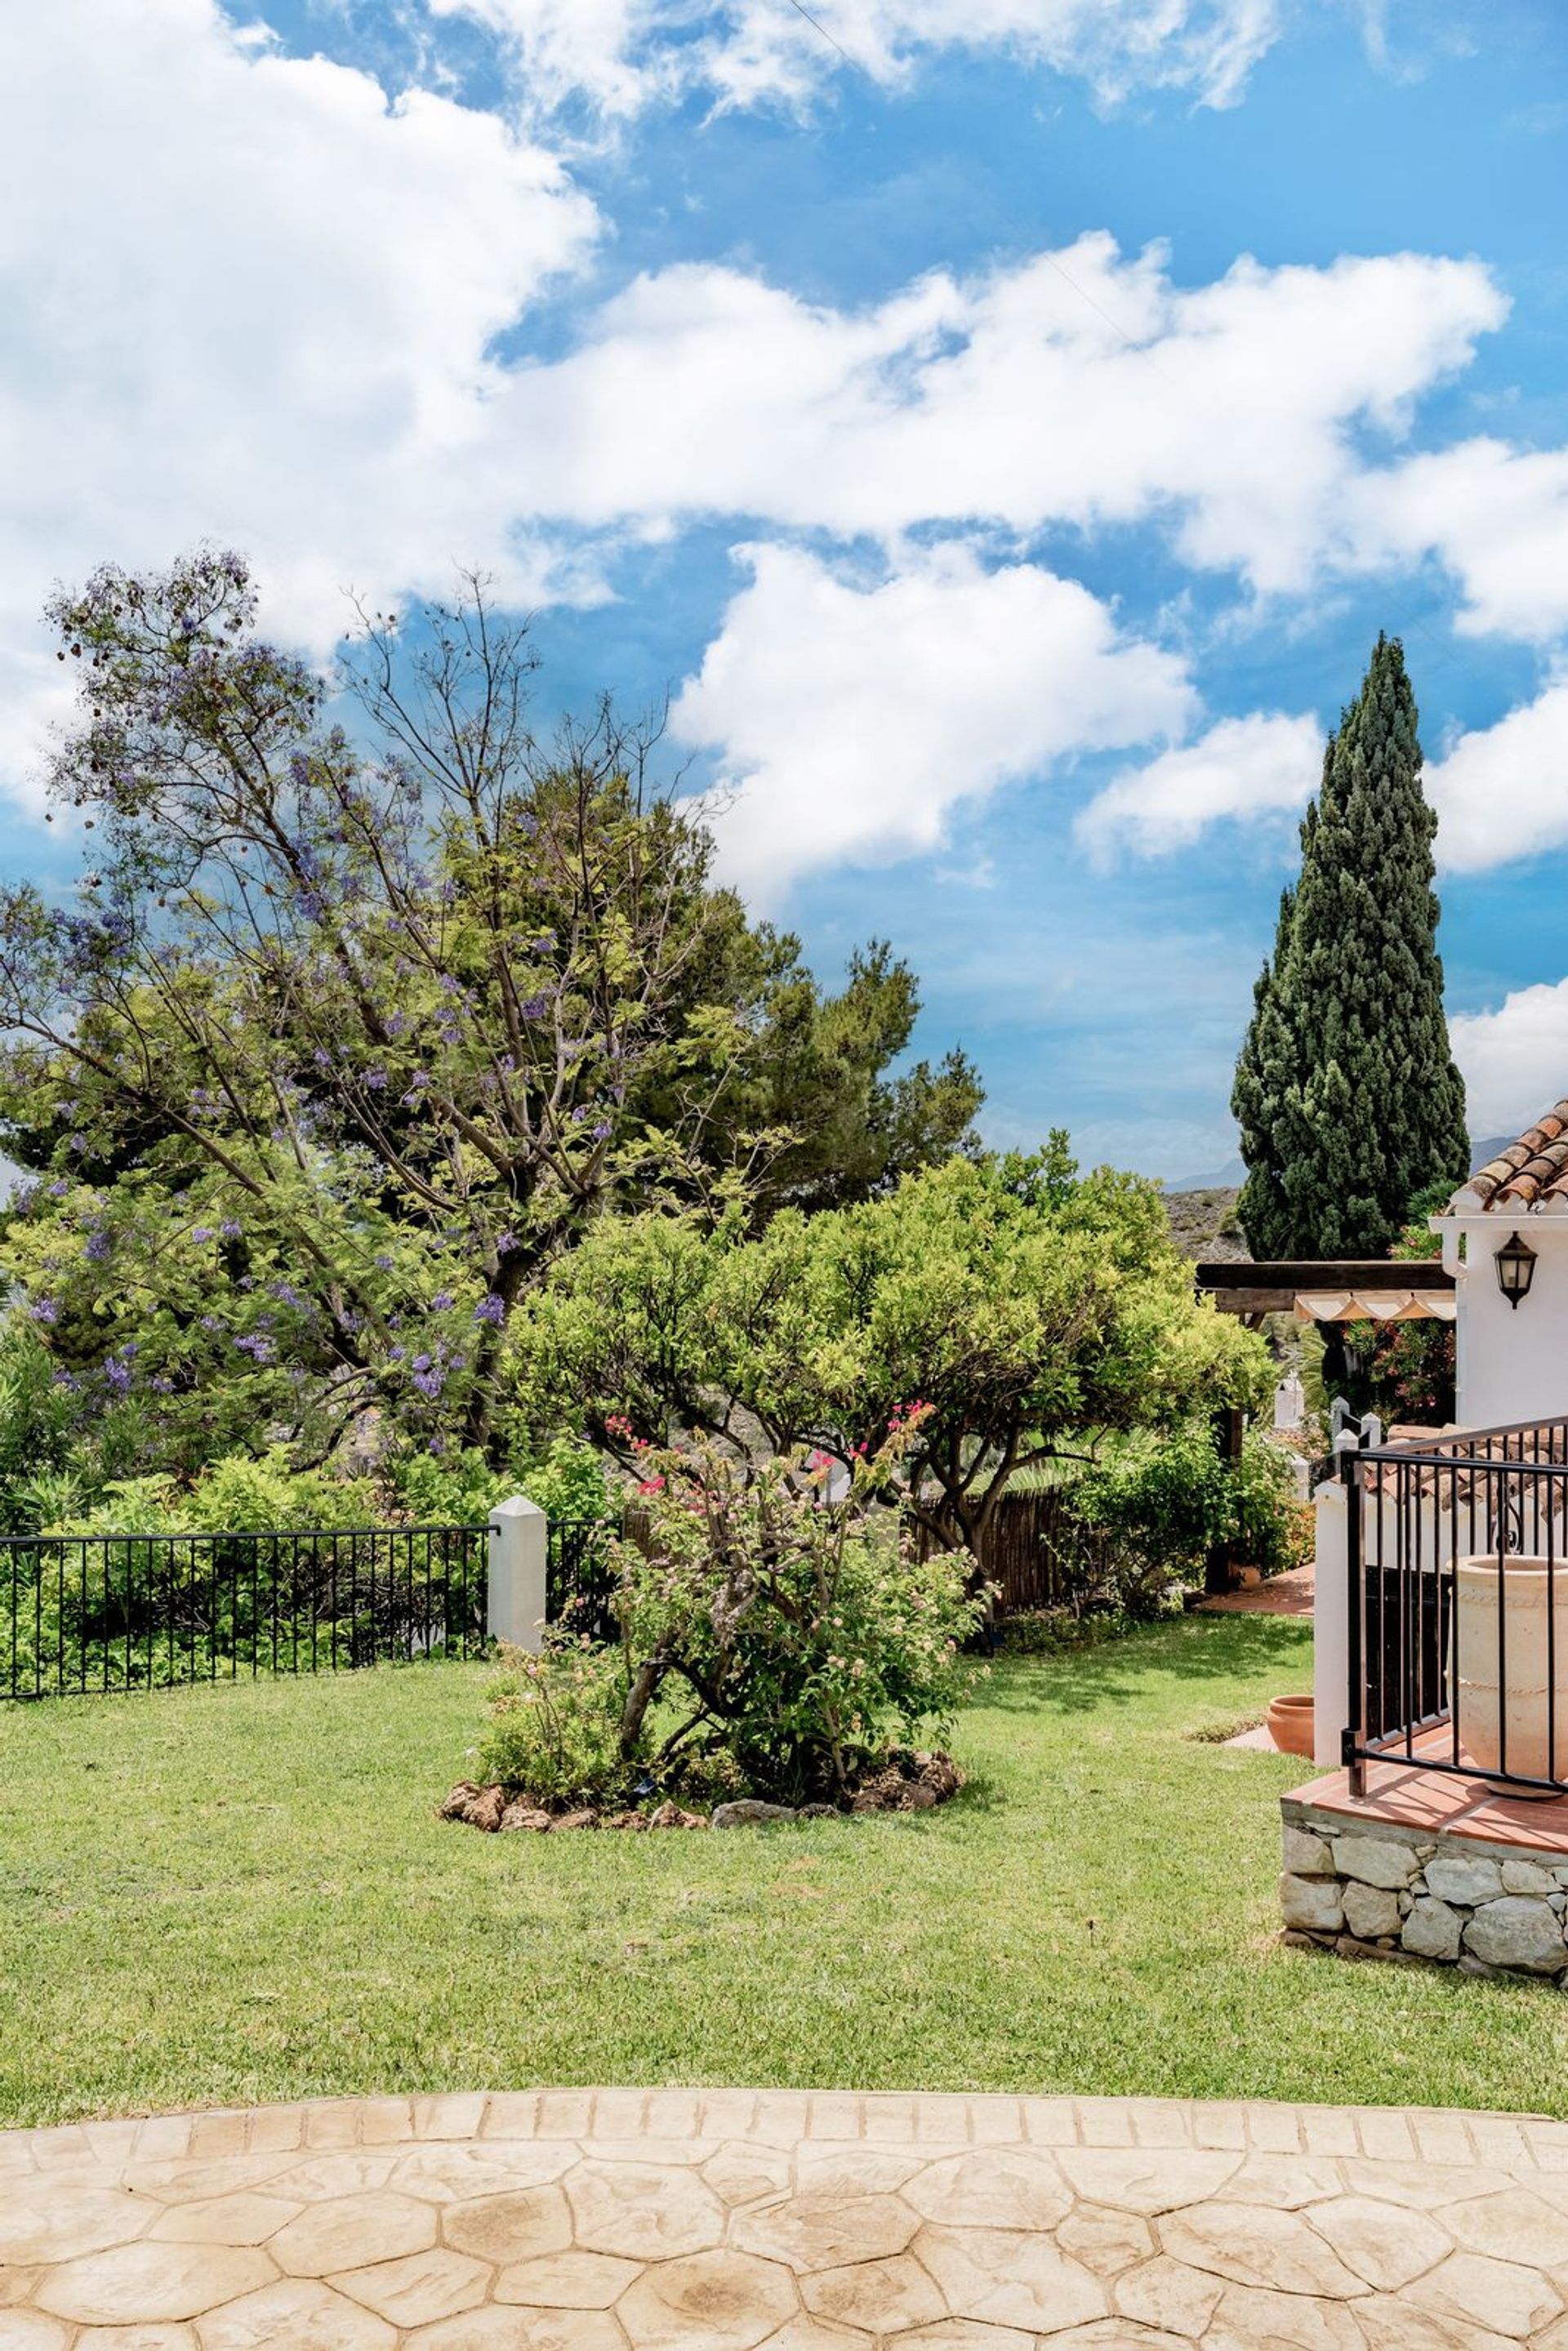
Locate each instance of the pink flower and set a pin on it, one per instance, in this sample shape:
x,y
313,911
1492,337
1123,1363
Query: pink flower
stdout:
x,y
652,1486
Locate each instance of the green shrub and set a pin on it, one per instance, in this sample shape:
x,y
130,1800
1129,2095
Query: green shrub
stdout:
x,y
1058,1632
1165,1503
555,1725
794,1634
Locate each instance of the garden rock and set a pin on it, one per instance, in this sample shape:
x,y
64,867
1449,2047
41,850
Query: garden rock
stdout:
x,y
1306,1855
1311,1902
1455,1878
485,1810
1527,1878
1376,1861
583,1818
1432,1931
749,1812
521,1814
1370,1911
1517,1933
456,1808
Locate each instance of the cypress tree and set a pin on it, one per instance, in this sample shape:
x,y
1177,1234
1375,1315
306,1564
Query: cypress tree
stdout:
x,y
1346,1091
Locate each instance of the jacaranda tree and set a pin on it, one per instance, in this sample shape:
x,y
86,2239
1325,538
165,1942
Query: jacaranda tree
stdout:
x,y
367,1007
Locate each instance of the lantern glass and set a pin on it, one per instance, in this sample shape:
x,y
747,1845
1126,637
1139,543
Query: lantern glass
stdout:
x,y
1515,1268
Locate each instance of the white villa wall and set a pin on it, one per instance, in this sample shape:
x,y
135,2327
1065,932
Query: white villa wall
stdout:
x,y
1512,1361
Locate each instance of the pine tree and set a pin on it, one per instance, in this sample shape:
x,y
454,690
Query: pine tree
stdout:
x,y
1346,1091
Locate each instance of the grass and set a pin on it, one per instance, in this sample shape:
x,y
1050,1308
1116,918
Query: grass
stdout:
x,y
240,1895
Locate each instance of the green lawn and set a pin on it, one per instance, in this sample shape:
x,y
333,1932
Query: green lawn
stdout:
x,y
236,1894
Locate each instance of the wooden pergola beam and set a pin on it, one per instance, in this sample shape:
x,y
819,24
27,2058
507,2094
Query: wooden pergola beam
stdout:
x,y
1272,1286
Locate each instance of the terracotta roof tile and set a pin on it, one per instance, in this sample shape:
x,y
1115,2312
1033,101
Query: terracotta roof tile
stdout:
x,y
1532,1170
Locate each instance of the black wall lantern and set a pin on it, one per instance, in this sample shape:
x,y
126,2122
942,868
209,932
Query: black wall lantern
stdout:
x,y
1515,1264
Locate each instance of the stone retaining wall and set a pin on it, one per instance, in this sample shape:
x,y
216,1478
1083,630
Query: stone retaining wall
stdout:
x,y
1387,1892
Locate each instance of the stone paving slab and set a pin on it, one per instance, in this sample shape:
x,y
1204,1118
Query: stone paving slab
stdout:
x,y
733,2221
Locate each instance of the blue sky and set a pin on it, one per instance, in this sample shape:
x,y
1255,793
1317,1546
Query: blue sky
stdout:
x,y
1003,445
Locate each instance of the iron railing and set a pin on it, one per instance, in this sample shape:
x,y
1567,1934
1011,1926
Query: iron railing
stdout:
x,y
581,1582
1457,1553
92,1614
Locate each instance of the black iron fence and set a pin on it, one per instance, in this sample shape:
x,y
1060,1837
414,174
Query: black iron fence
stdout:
x,y
89,1614
580,1581
1457,1554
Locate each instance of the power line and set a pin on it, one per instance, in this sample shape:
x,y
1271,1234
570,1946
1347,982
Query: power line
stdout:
x,y
816,23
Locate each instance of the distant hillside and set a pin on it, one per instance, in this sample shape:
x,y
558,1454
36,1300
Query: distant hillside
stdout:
x,y
1203,1223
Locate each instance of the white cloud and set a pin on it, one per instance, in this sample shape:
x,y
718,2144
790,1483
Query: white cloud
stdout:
x,y
622,55
1249,767
1515,1060
849,720
1496,516
246,299
1076,387
1501,792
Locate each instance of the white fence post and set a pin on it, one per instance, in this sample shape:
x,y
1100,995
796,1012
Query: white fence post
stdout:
x,y
1330,1623
518,1586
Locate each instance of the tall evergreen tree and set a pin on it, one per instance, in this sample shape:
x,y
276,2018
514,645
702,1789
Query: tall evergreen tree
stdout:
x,y
1346,1091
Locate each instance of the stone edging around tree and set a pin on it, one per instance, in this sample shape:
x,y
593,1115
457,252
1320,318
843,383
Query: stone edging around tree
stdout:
x,y
904,1784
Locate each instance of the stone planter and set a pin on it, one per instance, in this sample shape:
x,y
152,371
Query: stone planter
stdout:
x,y
1290,1722
1503,1663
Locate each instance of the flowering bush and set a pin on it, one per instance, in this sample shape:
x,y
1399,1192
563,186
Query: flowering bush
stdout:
x,y
775,1612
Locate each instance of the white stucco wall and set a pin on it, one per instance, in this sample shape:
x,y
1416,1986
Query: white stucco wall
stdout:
x,y
1512,1361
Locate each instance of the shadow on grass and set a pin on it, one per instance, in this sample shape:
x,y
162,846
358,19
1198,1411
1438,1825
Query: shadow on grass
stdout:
x,y
1195,1648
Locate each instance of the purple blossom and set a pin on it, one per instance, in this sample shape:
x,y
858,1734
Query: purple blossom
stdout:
x,y
376,1081
201,1232
99,1246
44,1310
599,1129
429,1384
441,1301
383,1263
492,1308
258,1345
59,1188
116,1371
231,1229
422,1362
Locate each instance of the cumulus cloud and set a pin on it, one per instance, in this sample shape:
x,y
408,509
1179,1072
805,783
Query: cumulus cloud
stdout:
x,y
1262,765
1077,387
248,299
623,55
1501,792
849,719
1515,1059
1496,516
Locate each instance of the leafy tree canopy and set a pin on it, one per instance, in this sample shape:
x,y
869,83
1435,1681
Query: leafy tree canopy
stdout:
x,y
367,1007
1029,1307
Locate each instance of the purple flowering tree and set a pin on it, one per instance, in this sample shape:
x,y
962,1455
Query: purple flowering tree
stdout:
x,y
366,1006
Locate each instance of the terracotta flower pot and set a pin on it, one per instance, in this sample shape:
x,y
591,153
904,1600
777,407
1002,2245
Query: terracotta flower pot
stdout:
x,y
1289,1721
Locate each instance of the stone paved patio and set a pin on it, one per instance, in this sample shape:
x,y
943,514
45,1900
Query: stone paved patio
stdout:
x,y
676,2221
